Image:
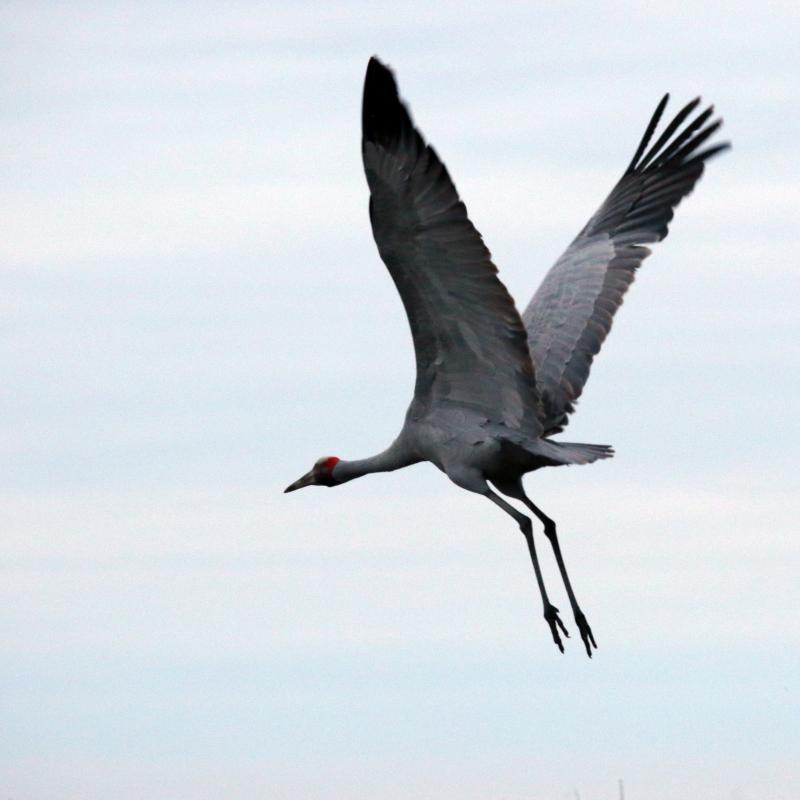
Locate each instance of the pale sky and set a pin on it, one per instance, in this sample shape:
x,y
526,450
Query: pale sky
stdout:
x,y
194,311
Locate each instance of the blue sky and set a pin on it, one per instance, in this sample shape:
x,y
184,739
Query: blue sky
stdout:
x,y
194,310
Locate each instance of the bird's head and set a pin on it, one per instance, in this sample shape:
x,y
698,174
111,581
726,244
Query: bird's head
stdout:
x,y
321,474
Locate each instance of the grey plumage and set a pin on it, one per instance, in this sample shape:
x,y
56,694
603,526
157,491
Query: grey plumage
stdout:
x,y
571,313
469,340
492,386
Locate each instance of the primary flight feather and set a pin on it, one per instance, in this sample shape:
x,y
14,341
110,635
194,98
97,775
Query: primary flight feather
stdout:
x,y
493,386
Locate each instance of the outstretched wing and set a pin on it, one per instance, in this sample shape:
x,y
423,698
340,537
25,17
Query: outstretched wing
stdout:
x,y
469,340
571,313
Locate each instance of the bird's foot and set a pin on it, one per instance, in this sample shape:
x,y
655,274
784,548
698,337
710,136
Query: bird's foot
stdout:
x,y
586,632
554,621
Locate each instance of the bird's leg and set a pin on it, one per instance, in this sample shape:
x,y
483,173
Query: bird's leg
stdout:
x,y
550,532
525,525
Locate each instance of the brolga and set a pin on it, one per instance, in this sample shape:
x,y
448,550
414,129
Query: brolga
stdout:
x,y
492,387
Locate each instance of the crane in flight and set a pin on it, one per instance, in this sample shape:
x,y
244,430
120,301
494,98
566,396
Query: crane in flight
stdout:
x,y
493,387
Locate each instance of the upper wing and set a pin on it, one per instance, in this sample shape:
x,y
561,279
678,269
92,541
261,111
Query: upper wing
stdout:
x,y
571,312
470,344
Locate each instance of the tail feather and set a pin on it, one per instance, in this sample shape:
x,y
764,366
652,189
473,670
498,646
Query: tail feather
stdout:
x,y
576,453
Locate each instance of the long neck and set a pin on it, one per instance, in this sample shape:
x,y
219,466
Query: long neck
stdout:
x,y
394,457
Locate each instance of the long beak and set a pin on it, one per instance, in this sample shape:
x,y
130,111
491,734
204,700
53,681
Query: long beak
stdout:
x,y
306,480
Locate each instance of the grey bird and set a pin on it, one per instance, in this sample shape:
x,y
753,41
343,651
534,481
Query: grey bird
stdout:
x,y
492,386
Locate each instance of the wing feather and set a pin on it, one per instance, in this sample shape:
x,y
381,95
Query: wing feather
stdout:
x,y
469,341
571,313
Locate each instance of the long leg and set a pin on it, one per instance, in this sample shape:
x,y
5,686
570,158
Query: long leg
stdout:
x,y
518,492
476,483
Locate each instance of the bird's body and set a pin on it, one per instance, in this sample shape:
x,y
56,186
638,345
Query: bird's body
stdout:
x,y
492,386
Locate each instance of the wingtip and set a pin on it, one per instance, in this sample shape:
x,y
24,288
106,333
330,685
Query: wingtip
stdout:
x,y
379,81
648,133
383,114
377,73
709,153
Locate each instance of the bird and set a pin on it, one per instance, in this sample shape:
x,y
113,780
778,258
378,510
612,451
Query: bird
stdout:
x,y
493,386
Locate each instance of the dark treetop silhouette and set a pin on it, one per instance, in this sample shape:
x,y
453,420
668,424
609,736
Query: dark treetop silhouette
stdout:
x,y
493,387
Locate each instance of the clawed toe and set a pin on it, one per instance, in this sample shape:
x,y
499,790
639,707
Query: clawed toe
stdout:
x,y
557,627
554,621
586,633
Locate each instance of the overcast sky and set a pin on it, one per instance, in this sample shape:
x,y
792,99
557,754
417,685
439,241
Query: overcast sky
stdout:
x,y
193,311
